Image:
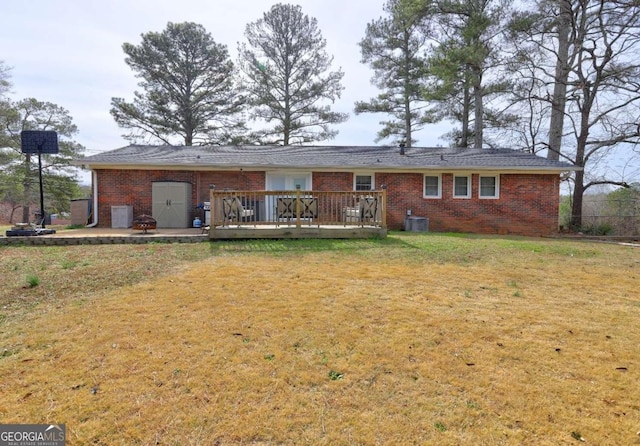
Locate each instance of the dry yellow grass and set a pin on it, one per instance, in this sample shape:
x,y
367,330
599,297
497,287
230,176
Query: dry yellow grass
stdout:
x,y
417,340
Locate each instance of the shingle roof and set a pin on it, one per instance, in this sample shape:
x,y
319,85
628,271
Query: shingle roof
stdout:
x,y
320,157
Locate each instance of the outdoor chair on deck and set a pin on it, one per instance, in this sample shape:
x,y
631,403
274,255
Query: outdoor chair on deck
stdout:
x,y
368,209
233,210
285,209
308,208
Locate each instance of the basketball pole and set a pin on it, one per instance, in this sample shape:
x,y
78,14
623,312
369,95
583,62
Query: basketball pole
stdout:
x,y
41,188
40,142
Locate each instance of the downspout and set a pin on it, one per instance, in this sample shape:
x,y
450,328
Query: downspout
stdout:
x,y
94,205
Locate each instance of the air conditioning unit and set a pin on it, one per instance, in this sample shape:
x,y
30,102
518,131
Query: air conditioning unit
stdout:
x,y
416,224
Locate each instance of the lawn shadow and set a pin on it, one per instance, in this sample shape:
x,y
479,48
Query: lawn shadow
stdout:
x,y
296,245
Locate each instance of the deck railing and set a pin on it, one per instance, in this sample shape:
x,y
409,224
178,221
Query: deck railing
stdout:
x,y
297,208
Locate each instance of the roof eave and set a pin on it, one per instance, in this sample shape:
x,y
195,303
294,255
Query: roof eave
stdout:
x,y
320,168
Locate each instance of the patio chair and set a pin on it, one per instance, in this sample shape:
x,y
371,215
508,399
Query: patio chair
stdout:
x,y
285,209
368,209
233,210
309,207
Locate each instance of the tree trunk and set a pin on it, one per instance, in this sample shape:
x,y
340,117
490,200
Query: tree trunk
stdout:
x,y
561,77
407,123
286,131
25,213
13,211
478,110
286,122
466,109
576,207
580,161
408,134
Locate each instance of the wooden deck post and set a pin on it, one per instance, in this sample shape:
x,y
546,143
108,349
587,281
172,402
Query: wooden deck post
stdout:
x,y
297,207
384,209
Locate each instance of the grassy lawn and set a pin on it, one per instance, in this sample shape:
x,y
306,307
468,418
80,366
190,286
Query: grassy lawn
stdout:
x,y
414,339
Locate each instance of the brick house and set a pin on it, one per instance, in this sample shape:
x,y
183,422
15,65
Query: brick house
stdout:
x,y
488,191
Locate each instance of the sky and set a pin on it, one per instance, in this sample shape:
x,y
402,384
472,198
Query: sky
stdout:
x,y
69,52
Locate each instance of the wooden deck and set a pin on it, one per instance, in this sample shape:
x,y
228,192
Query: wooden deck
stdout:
x,y
297,214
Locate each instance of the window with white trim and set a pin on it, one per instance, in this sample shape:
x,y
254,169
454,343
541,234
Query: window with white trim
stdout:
x,y
363,182
462,186
489,186
432,186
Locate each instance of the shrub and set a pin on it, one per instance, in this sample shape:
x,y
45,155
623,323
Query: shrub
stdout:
x,y
598,229
33,280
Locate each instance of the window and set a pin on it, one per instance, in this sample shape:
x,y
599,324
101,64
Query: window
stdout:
x,y
489,186
364,182
432,187
461,187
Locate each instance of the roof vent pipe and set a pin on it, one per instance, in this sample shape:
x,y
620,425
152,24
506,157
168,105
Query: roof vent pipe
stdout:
x,y
401,148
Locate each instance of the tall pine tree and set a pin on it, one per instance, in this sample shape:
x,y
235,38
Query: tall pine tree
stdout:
x,y
468,63
288,79
394,46
189,95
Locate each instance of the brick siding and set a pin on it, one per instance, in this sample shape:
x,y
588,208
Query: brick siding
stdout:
x,y
332,181
527,204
